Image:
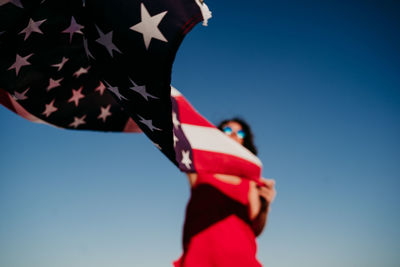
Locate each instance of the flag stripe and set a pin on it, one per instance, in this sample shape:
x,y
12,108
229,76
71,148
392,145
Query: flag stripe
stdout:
x,y
214,162
189,115
131,127
213,140
210,150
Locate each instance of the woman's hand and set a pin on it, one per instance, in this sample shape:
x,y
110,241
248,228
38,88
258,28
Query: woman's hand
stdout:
x,y
260,197
267,191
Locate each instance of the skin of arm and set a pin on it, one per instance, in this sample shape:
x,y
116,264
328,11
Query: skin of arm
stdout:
x,y
262,197
259,222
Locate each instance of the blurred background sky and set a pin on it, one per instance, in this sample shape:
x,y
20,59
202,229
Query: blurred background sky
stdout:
x,y
319,82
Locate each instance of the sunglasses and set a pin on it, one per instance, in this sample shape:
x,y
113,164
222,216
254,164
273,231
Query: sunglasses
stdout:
x,y
228,130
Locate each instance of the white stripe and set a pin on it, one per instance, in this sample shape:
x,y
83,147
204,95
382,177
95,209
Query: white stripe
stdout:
x,y
212,139
175,92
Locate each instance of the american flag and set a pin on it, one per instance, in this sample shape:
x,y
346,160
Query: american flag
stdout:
x,y
201,147
106,65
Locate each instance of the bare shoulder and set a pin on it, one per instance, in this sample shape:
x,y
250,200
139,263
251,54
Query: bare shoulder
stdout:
x,y
192,177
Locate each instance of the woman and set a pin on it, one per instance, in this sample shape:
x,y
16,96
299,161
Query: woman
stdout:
x,y
225,213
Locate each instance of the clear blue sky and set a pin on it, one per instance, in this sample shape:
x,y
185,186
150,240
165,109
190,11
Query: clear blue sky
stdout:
x,y
319,81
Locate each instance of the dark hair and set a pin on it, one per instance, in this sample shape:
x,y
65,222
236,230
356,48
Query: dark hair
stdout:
x,y
248,141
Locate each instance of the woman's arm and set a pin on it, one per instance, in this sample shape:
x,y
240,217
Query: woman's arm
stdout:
x,y
259,222
260,200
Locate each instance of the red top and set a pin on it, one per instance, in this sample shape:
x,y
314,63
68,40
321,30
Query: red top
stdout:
x,y
217,230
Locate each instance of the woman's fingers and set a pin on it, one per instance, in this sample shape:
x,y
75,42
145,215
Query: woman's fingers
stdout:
x,y
268,190
268,182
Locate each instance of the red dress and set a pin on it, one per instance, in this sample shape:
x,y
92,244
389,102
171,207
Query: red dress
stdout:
x,y
217,228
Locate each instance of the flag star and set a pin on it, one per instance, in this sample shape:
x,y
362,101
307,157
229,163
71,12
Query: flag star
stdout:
x,y
141,89
100,88
73,28
78,121
86,46
20,96
81,71
14,2
148,27
175,120
115,90
186,159
33,26
53,84
50,108
175,140
76,96
20,62
61,64
104,113
149,124
106,40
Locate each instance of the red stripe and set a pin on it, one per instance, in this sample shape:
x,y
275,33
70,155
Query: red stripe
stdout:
x,y
188,115
191,23
213,162
131,127
187,23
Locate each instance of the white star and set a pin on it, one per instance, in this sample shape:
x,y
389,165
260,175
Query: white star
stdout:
x,y
175,140
76,95
175,120
185,158
81,71
14,2
148,27
141,89
105,112
20,62
73,28
149,124
78,121
33,26
106,40
100,88
53,84
85,45
20,96
115,90
50,108
61,64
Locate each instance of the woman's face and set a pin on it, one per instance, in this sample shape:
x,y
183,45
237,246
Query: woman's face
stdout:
x,y
234,130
